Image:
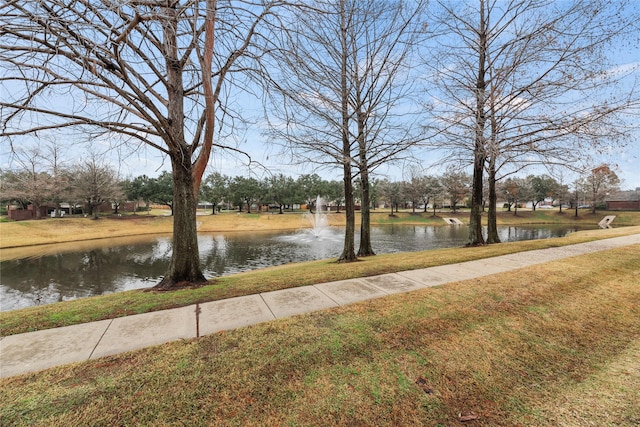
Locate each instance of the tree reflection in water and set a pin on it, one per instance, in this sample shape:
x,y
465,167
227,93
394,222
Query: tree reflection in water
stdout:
x,y
76,270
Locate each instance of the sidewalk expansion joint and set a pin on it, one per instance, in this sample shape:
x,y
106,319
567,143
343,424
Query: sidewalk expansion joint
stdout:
x,y
100,339
328,296
267,304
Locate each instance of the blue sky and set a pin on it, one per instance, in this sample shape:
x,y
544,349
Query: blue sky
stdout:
x,y
626,160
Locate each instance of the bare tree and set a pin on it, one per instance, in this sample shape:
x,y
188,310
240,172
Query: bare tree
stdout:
x,y
599,183
95,183
154,73
456,186
414,187
432,189
346,73
530,81
391,193
30,183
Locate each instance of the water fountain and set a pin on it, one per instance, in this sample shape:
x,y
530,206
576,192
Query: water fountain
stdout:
x,y
318,220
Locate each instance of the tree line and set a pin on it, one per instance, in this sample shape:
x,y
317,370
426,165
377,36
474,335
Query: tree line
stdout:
x,y
88,185
351,85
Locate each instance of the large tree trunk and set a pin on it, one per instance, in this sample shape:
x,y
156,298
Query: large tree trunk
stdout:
x,y
184,269
348,252
492,220
475,220
365,248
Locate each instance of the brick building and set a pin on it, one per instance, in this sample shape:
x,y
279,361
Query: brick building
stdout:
x,y
624,201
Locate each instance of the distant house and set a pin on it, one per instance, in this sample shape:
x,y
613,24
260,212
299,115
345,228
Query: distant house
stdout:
x,y
624,200
23,214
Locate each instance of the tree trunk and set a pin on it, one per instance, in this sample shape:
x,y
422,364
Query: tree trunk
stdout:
x,y
479,156
365,248
348,252
184,269
475,220
492,220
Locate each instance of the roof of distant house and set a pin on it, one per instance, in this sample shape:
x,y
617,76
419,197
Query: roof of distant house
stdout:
x,y
624,196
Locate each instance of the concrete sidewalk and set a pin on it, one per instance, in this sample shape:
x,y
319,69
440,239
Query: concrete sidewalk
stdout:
x,y
40,350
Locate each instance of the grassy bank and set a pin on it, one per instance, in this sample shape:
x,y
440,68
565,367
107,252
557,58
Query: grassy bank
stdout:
x,y
555,344
269,279
61,230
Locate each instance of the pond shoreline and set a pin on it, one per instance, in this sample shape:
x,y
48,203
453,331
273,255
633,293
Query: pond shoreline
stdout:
x,y
63,230
45,274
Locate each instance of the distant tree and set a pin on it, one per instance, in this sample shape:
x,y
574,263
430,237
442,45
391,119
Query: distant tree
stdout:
x,y
310,186
562,193
391,192
26,188
334,192
432,190
59,185
542,187
281,190
160,190
213,189
413,187
94,183
516,190
38,179
246,191
599,183
138,189
374,192
456,186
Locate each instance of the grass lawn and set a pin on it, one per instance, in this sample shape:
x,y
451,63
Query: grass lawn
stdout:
x,y
550,345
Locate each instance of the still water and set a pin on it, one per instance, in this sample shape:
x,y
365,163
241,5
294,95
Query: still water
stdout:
x,y
69,271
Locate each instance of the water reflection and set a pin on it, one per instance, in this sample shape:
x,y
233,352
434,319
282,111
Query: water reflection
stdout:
x,y
69,271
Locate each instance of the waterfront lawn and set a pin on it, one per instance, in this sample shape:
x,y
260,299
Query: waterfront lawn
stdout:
x,y
553,344
265,280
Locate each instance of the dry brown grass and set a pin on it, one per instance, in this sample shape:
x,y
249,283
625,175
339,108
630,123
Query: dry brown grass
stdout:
x,y
60,230
554,344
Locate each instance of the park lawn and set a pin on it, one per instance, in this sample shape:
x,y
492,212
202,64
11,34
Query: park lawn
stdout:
x,y
265,280
552,344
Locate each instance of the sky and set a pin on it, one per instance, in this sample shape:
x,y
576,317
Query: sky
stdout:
x,y
269,160
625,159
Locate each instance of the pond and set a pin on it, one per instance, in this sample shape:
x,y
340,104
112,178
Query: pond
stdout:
x,y
81,269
